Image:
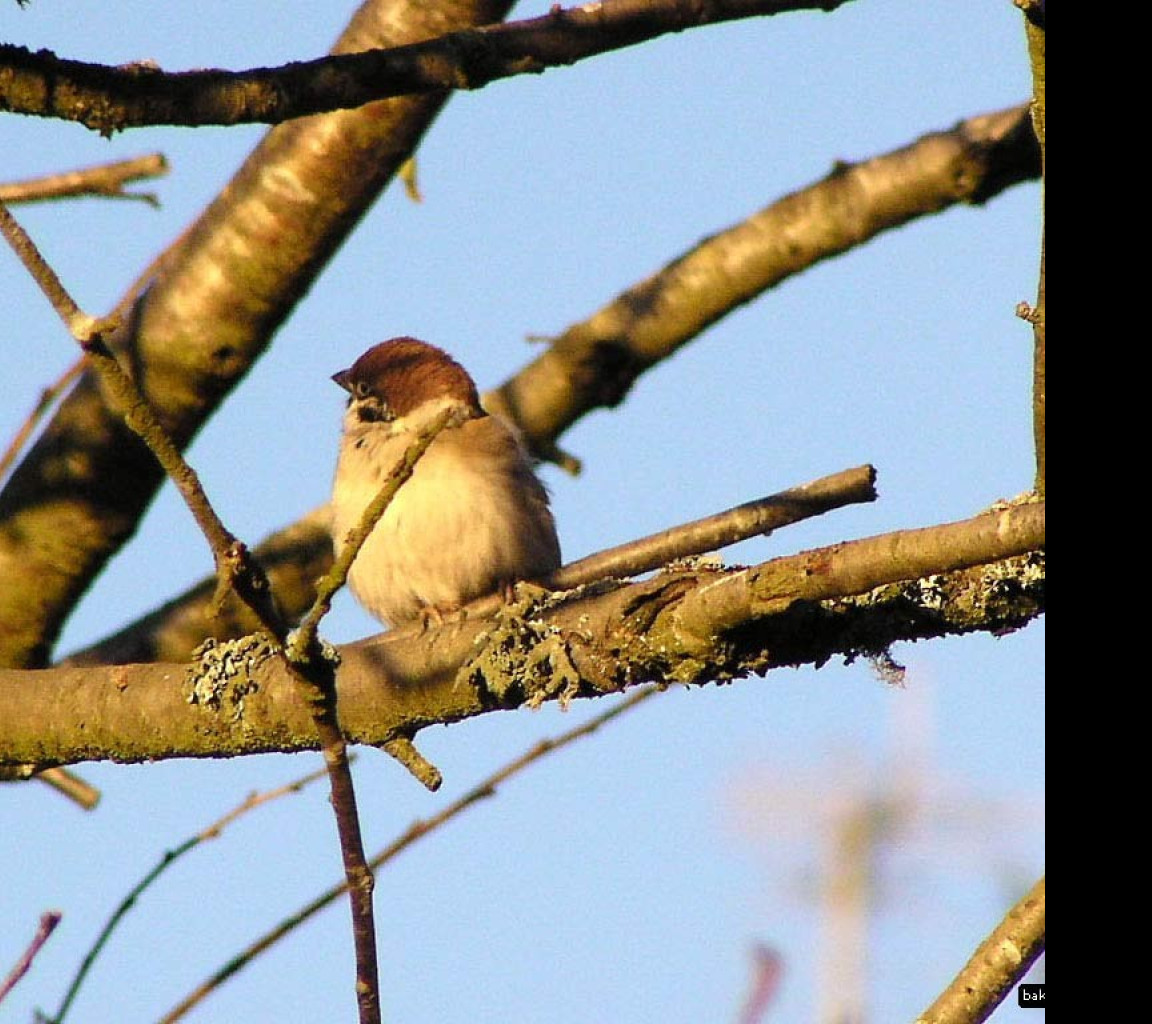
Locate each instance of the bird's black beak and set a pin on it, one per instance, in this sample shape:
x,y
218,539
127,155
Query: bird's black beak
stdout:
x,y
344,379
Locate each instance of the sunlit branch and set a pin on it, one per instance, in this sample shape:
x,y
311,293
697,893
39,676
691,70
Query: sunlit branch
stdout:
x,y
110,99
104,180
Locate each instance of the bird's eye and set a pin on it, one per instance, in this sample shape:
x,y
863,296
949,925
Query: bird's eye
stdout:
x,y
363,390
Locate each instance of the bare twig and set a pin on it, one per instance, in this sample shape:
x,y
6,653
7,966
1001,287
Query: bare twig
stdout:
x,y
170,857
70,785
753,518
422,770
416,831
999,963
171,632
109,99
107,180
1035,32
43,404
317,674
237,572
767,970
303,641
48,922
235,569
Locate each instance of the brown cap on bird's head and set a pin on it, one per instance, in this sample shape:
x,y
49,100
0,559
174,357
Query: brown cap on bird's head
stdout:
x,y
404,373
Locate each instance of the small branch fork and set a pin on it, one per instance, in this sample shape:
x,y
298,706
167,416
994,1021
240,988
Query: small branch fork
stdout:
x,y
238,572
105,180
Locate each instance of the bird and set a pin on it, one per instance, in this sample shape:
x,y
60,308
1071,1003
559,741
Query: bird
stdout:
x,y
473,518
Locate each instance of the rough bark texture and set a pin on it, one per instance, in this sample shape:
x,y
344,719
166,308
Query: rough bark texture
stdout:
x,y
110,99
689,625
215,300
594,363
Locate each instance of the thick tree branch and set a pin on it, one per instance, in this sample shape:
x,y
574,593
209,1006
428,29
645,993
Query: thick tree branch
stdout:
x,y
110,99
300,554
213,303
594,363
688,625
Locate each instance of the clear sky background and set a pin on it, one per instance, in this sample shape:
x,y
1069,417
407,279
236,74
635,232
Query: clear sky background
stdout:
x,y
629,877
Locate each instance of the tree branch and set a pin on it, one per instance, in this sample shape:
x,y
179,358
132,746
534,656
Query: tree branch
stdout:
x,y
110,99
594,363
239,574
169,858
415,832
107,180
1001,961
294,558
235,569
689,625
49,395
48,922
213,303
297,556
1035,32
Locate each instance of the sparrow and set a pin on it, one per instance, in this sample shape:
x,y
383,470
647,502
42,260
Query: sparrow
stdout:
x,y
473,517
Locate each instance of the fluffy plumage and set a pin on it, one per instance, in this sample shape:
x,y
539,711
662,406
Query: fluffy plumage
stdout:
x,y
472,518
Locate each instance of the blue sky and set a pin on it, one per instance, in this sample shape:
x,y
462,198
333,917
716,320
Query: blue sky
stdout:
x,y
628,877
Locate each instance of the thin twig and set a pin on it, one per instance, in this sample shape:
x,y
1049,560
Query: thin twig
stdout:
x,y
1036,36
48,922
317,676
317,680
106,180
170,857
767,971
237,571
416,831
68,784
301,646
43,404
234,567
754,518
